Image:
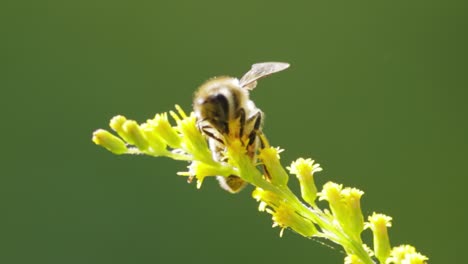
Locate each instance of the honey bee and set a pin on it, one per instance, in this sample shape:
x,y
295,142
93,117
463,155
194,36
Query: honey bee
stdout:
x,y
224,112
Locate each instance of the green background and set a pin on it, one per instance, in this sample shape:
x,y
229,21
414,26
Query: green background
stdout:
x,y
376,94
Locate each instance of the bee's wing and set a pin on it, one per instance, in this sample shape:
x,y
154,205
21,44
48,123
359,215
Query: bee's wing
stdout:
x,y
260,70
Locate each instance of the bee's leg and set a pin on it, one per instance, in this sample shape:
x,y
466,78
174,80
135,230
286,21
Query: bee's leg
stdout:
x,y
257,122
257,134
263,140
241,122
263,144
190,179
205,130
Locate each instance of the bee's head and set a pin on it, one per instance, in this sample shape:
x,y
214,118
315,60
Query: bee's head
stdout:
x,y
218,100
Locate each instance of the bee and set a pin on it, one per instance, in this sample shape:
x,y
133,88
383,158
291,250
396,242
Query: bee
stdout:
x,y
224,112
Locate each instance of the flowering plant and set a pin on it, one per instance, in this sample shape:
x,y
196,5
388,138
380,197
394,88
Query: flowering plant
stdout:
x,y
341,223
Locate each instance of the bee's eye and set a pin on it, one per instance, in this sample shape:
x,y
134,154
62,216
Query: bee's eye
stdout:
x,y
220,103
217,98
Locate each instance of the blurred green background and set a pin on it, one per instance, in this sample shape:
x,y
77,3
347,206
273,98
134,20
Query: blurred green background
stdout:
x,y
376,94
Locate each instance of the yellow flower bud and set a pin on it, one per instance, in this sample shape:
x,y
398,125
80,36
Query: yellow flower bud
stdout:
x,y
116,124
163,128
135,134
157,145
112,143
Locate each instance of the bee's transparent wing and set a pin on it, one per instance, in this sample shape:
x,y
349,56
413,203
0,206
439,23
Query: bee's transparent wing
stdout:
x,y
260,70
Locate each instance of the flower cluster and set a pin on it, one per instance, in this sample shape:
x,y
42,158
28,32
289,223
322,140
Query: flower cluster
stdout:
x,y
342,222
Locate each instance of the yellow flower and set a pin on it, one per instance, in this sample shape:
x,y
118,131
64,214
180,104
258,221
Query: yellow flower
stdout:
x,y
406,254
304,169
353,259
200,170
269,157
398,253
345,206
414,258
284,216
238,158
355,223
190,138
265,197
378,223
